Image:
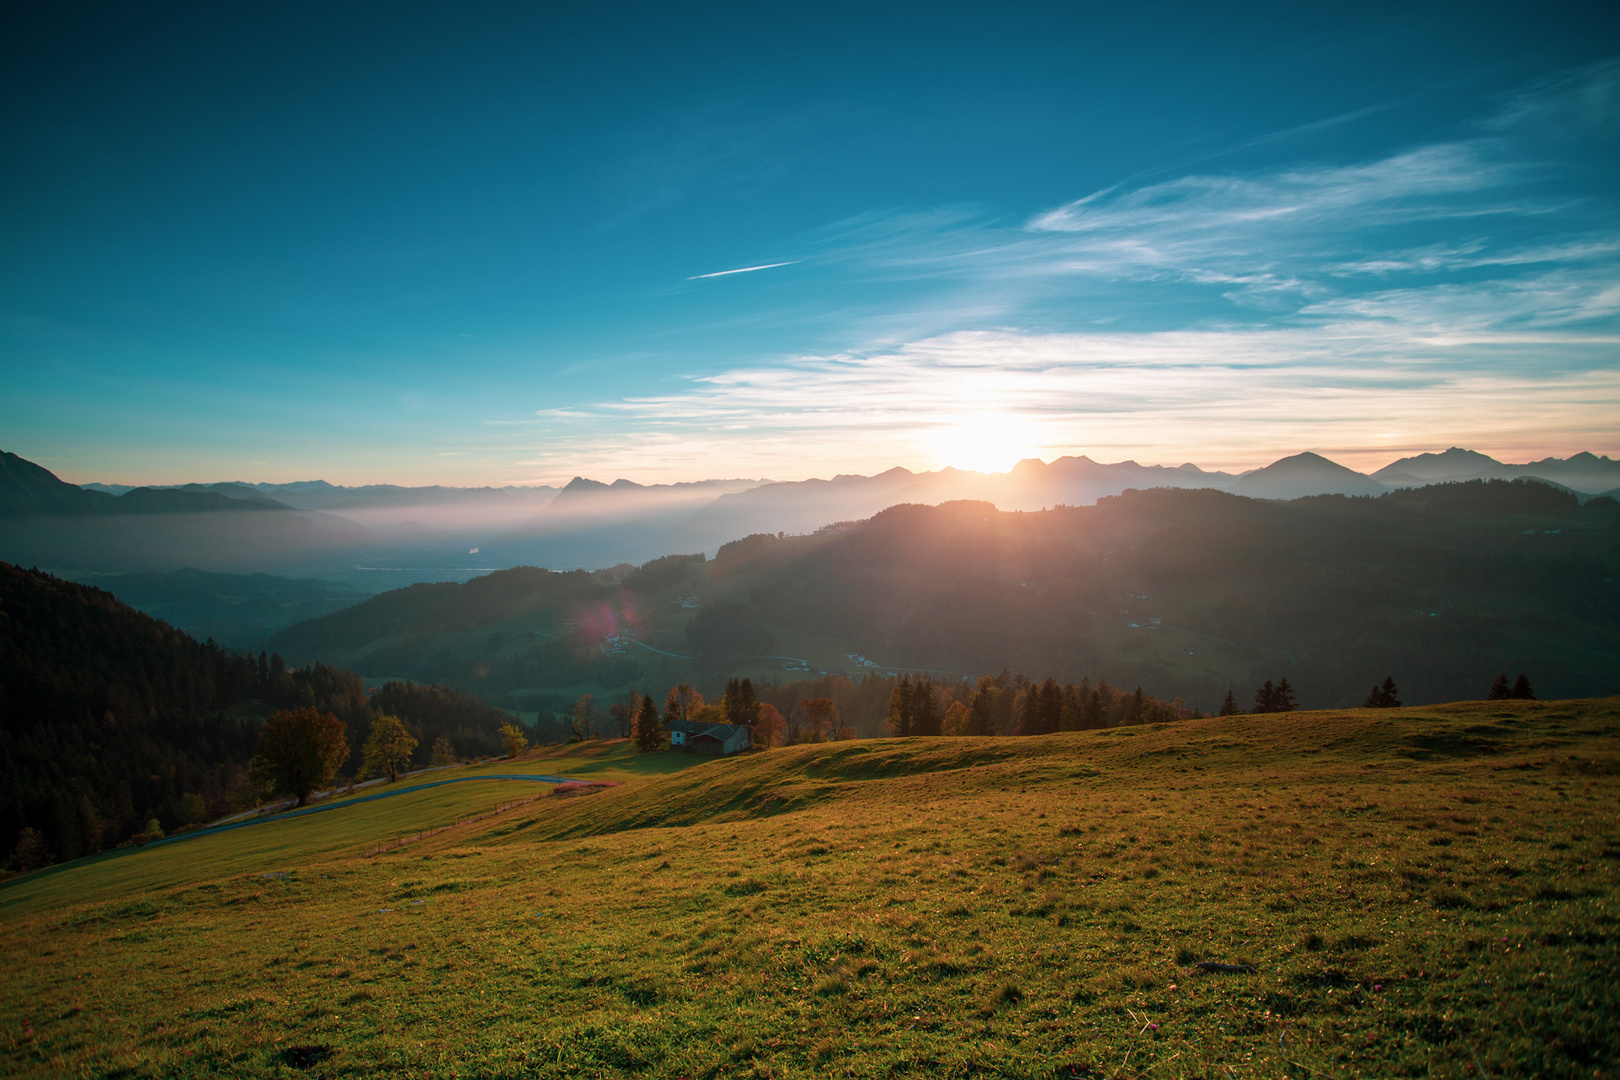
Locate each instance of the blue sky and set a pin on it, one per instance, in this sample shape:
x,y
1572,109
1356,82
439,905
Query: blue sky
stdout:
x,y
415,244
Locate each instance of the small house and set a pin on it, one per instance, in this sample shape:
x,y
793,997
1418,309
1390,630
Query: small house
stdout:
x,y
717,740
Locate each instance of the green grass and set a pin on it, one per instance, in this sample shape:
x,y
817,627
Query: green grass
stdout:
x,y
1421,892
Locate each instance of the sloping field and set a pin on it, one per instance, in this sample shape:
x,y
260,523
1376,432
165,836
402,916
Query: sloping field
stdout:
x,y
1417,892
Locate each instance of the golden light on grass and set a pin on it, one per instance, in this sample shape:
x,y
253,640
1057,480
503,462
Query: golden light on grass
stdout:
x,y
1412,892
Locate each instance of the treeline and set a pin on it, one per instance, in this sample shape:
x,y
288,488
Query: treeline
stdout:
x,y
835,707
1004,704
114,724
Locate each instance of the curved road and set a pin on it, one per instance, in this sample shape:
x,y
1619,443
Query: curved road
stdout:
x,y
323,807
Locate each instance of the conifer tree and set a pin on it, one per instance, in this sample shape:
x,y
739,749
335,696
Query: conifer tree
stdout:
x,y
900,707
1265,698
1051,707
1283,699
1382,696
649,732
1229,706
1096,708
925,714
1521,688
1500,689
982,709
1029,711
740,704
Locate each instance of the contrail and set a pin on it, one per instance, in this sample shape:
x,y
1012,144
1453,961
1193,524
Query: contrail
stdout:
x,y
741,270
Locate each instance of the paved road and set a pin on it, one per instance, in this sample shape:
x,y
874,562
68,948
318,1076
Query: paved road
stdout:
x,y
338,805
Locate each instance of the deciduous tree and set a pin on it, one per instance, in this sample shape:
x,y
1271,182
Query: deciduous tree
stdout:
x,y
300,751
513,741
388,748
584,721
820,717
770,729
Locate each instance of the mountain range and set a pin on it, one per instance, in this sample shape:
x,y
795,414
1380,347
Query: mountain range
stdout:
x,y
1189,593
376,537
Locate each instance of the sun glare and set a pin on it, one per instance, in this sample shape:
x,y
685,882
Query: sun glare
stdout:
x,y
987,442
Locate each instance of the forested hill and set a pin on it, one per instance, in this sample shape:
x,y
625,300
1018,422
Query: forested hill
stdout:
x,y
107,717
110,719
1193,593
512,628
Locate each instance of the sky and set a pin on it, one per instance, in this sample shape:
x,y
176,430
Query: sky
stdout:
x,y
511,244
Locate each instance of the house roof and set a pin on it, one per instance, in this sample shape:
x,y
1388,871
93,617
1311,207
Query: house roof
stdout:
x,y
719,731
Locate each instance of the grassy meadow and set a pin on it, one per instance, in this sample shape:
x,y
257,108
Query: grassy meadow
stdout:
x,y
1413,892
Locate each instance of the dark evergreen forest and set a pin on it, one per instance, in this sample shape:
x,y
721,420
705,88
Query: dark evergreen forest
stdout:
x,y
111,719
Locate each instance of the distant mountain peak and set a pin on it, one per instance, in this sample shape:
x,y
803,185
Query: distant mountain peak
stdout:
x,y
1303,474
1453,463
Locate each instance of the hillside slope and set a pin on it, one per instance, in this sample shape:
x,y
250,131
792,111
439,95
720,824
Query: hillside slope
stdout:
x,y
1401,892
108,717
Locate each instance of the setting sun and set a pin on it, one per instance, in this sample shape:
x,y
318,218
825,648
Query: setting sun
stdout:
x,y
987,442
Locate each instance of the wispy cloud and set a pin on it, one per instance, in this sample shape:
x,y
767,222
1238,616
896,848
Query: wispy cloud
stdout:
x,y
1466,291
742,270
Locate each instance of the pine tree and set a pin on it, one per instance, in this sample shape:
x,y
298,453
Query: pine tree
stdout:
x,y
900,707
1500,690
739,703
1229,706
1265,698
1029,711
1283,701
1095,707
649,732
1521,688
982,709
1382,697
1136,707
925,714
1049,713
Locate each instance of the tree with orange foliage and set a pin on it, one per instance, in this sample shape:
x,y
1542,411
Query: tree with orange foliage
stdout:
x,y
770,728
820,717
300,751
